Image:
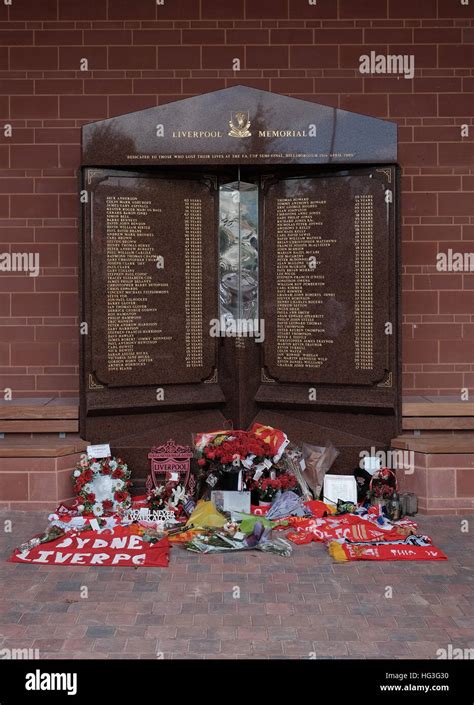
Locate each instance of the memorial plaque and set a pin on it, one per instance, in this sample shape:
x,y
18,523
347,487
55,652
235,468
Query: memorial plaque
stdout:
x,y
150,240
230,208
326,260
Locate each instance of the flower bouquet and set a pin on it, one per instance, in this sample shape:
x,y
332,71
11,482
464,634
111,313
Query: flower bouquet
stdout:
x,y
267,488
103,485
230,454
382,486
168,496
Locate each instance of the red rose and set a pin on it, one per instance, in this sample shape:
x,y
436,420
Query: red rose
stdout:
x,y
90,497
107,504
87,475
117,474
120,496
106,470
201,462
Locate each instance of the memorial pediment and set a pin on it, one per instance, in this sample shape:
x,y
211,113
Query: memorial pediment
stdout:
x,y
239,125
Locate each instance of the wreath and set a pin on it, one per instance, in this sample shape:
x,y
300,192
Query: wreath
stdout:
x,y
103,485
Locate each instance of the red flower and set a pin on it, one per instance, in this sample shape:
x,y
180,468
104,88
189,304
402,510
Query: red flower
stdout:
x,y
201,462
90,497
120,496
117,474
106,470
107,504
87,475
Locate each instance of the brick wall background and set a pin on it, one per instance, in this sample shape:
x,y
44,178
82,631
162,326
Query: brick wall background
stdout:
x,y
142,54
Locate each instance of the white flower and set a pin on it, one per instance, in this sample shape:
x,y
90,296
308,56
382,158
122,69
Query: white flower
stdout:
x,y
113,464
95,467
77,473
80,508
98,509
119,484
87,487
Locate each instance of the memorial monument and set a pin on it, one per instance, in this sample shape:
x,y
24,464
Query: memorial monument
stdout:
x,y
240,263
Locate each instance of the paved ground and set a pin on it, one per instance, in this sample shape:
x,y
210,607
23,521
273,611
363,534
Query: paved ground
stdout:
x,y
299,607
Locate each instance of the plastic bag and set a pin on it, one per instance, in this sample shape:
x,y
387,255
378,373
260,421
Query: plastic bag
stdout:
x,y
205,514
318,460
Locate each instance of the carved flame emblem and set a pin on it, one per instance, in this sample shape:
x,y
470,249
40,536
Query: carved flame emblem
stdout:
x,y
239,124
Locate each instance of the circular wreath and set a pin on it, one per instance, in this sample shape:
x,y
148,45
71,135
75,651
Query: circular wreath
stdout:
x,y
103,485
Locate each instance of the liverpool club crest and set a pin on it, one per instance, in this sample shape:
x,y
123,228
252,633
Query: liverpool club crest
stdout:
x,y
239,124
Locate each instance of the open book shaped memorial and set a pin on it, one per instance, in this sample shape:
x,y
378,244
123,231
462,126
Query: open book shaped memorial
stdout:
x,y
240,262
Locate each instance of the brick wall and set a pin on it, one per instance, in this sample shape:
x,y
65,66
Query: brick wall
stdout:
x,y
142,54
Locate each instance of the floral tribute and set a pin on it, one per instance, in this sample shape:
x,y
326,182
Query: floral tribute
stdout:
x,y
257,456
169,496
103,485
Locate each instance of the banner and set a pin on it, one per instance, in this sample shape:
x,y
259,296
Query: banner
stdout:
x,y
120,546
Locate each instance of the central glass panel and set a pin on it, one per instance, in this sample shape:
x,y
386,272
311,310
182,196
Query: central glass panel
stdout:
x,y
238,252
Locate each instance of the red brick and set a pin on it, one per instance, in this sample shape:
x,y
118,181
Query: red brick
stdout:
x,y
338,85
15,37
119,104
387,35
456,301
313,57
35,353
465,482
37,156
57,383
437,35
437,84
179,57
409,105
420,302
34,107
266,9
418,154
156,86
4,58
460,154
83,106
292,36
210,9
35,304
366,104
196,86
454,55
179,9
34,206
457,351
437,331
105,37
69,304
16,86
348,9
63,135
222,57
71,57
423,253
446,380
451,105
13,486
405,9
33,59
247,36
198,36
4,107
292,85
324,9
28,11
130,58
266,57
447,8
69,157
416,352
73,10
126,10
57,37
456,203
